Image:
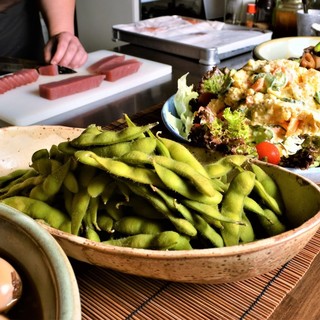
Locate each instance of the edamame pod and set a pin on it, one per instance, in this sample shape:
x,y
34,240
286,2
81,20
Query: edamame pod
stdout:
x,y
232,205
40,210
246,232
131,225
207,231
182,186
269,184
13,176
200,182
224,165
98,184
271,223
53,182
106,137
80,206
180,153
119,168
161,241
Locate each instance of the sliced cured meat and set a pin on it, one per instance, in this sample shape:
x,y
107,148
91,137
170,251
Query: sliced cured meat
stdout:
x,y
106,62
18,79
69,86
121,70
48,70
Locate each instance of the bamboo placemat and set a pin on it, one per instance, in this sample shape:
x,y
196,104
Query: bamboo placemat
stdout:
x,y
107,294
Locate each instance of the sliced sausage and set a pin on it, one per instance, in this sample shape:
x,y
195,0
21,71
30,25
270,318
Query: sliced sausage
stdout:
x,y
105,62
120,70
69,86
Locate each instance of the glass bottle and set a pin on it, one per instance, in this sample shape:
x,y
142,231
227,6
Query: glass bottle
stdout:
x,y
250,15
264,13
285,18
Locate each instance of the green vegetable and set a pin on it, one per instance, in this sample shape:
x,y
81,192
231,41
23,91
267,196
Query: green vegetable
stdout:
x,y
182,98
218,83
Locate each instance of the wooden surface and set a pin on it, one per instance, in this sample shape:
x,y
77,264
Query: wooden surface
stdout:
x,y
303,301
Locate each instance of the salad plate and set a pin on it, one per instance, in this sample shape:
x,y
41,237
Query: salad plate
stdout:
x,y
169,112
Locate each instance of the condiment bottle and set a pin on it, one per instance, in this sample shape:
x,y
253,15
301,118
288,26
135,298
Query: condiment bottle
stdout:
x,y
250,15
285,18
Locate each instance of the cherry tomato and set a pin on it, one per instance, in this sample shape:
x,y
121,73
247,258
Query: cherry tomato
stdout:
x,y
268,152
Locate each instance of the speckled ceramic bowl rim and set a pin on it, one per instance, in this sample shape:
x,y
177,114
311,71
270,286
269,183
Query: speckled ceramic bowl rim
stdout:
x,y
68,291
311,223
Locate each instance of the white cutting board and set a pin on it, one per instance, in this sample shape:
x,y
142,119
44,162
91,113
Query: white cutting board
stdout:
x,y
23,106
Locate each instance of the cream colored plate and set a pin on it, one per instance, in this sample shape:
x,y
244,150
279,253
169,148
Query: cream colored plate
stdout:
x,y
284,48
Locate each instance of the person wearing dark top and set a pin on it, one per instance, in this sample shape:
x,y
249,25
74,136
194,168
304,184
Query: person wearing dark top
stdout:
x,y
21,32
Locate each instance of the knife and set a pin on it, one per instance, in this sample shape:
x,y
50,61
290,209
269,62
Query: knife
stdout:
x,y
10,65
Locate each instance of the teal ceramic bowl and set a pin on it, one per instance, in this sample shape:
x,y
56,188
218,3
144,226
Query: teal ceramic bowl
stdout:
x,y
50,290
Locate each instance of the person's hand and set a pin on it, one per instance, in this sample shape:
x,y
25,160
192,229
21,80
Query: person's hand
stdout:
x,y
66,50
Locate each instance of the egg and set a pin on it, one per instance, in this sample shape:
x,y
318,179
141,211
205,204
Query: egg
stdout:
x,y
10,286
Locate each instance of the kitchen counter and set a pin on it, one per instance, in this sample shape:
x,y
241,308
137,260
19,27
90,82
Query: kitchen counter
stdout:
x,y
303,301
141,97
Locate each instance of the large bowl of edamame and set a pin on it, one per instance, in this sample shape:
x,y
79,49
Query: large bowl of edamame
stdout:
x,y
204,236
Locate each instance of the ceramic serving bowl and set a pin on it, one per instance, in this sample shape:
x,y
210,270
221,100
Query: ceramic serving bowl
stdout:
x,y
217,265
50,290
283,48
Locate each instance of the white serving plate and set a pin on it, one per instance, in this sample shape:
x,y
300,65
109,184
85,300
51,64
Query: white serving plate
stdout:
x,y
313,173
283,48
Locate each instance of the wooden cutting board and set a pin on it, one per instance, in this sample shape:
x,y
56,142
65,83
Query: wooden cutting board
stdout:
x,y
23,106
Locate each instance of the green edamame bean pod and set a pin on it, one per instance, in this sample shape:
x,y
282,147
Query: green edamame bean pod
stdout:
x,y
40,210
207,231
246,231
161,241
224,165
107,137
80,204
98,184
54,181
183,187
12,176
131,225
269,185
70,182
200,182
232,205
271,223
180,153
105,223
119,168
23,186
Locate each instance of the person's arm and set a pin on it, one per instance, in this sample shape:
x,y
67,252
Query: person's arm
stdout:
x,y
63,47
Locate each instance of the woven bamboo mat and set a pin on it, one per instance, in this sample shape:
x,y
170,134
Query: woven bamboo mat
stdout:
x,y
107,294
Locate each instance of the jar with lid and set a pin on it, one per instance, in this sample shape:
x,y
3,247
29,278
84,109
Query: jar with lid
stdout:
x,y
285,18
264,13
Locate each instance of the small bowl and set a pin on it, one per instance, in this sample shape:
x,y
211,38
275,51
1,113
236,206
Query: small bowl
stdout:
x,y
50,289
216,265
283,48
